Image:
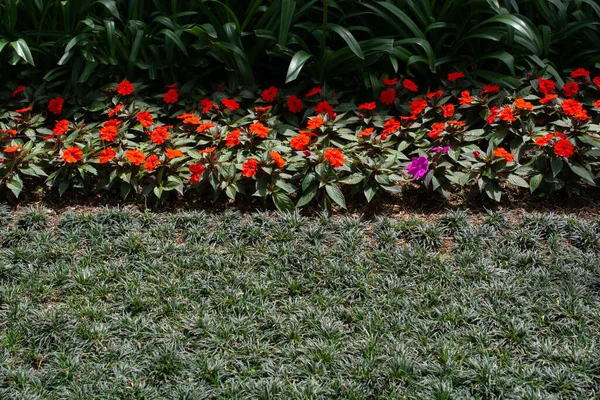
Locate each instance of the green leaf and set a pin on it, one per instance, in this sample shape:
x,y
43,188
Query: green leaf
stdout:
x,y
348,38
584,173
287,14
22,49
493,191
283,202
307,196
517,181
535,181
15,184
556,164
335,194
352,179
298,61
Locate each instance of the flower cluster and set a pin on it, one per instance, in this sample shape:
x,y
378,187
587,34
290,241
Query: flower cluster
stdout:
x,y
304,147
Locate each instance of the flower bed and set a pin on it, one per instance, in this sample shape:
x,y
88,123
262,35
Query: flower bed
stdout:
x,y
315,146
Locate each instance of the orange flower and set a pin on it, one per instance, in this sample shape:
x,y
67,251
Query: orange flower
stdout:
x,y
192,120
564,148
262,109
72,154
456,123
315,122
55,105
365,133
466,98
160,134
417,105
391,126
544,140
13,149
447,110
436,129
299,142
135,156
61,127
173,153
277,158
313,91
151,163
108,133
548,98
571,107
259,130
502,153
232,138
125,88
521,104
335,157
249,168
269,94
231,104
506,114
207,151
106,155
453,76
145,119
204,127
294,104
115,110
171,97
410,85
388,96
12,132
26,110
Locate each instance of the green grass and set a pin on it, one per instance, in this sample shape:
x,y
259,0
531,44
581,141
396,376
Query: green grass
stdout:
x,y
192,305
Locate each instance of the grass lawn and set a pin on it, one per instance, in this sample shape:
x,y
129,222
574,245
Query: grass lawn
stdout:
x,y
190,305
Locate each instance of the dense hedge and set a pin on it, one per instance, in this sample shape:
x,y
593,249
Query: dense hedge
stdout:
x,y
318,145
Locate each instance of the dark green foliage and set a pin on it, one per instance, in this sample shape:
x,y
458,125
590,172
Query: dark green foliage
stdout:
x,y
116,303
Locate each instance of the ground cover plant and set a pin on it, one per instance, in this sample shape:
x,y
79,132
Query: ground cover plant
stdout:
x,y
115,303
307,144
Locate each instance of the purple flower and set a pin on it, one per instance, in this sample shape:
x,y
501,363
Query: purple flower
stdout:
x,y
418,167
440,149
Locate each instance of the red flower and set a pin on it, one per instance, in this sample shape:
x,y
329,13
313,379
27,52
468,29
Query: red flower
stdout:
x,y
115,110
323,107
491,89
109,133
391,126
560,135
507,114
597,81
544,140
145,119
13,149
249,168
18,90
160,134
465,98
171,97
313,91
580,73
448,110
548,98
205,126
172,86
262,109
277,158
72,154
300,142
27,109
367,106
564,148
259,130
231,104
12,132
173,153
410,85
106,155
437,94
546,85
597,104
232,138
453,76
335,157
571,107
436,129
502,153
206,104
571,89
390,82
417,105
366,133
151,163
125,88
388,96
269,94
55,105
196,170
315,122
521,104
135,156
61,127
294,104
